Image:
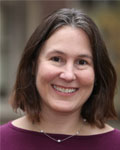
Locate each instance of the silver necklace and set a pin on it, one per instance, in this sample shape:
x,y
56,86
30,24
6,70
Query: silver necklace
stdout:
x,y
59,140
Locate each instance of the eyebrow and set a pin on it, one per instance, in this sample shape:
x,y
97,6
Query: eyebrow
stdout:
x,y
62,53
56,51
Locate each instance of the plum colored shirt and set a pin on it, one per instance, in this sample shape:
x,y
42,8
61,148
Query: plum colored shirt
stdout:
x,y
14,138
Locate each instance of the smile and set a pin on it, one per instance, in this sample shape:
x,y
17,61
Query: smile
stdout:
x,y
64,89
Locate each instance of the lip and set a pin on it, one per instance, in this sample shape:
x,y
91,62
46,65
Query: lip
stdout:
x,y
65,87
63,93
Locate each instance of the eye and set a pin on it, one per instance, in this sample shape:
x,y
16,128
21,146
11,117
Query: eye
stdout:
x,y
82,62
56,59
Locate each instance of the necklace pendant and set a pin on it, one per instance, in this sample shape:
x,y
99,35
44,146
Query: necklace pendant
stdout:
x,y
58,140
41,131
77,133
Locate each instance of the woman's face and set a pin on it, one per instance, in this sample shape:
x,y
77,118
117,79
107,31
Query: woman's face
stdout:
x,y
65,72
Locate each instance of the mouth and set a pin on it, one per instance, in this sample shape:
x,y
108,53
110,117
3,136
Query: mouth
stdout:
x,y
64,90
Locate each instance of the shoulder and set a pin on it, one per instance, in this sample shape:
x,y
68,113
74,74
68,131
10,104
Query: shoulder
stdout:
x,y
117,133
23,123
110,133
5,132
8,130
113,139
4,127
11,134
114,132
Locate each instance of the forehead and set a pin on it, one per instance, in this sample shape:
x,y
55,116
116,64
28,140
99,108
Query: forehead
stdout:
x,y
68,39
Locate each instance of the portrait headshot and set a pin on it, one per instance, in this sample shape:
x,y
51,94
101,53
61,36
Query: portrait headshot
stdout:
x,y
65,87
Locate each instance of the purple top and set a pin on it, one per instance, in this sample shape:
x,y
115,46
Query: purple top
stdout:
x,y
14,138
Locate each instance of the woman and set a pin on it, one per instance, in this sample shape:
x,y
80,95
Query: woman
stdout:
x,y
65,85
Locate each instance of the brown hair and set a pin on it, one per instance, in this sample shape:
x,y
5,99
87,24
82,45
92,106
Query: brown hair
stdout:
x,y
99,107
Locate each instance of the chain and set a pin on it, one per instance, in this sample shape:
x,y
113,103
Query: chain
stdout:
x,y
61,140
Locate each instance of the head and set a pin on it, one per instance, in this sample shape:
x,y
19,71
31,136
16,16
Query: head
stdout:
x,y
99,106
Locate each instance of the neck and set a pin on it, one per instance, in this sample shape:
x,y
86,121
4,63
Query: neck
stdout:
x,y
56,122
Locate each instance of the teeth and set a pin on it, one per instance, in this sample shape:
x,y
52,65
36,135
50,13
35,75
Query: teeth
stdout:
x,y
64,90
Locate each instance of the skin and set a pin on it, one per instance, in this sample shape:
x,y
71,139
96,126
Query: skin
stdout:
x,y
65,62
66,66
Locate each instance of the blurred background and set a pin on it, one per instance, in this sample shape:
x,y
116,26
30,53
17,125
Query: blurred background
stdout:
x,y
18,20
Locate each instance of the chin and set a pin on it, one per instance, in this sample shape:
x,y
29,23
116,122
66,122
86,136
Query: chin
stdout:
x,y
64,109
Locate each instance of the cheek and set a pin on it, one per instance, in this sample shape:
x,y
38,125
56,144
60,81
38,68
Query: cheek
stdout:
x,y
46,73
87,77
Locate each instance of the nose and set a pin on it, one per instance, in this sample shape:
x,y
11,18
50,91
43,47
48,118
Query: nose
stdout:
x,y
68,74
